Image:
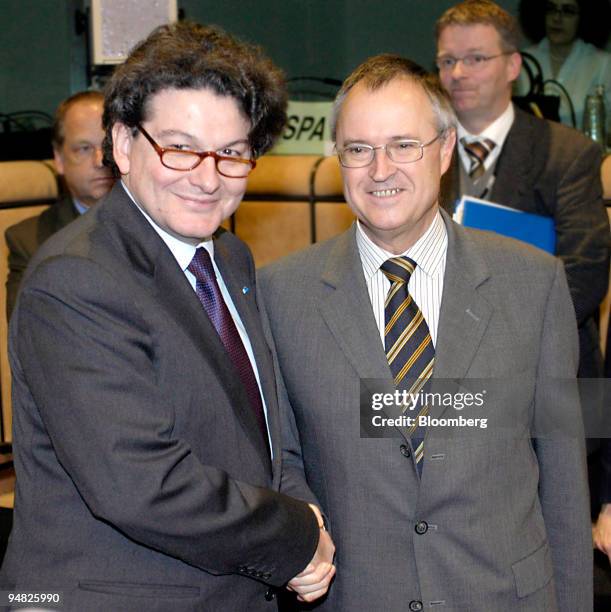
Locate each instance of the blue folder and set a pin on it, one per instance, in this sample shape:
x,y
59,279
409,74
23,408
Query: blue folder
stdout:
x,y
527,227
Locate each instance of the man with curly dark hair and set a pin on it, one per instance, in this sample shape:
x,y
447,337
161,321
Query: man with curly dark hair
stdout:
x,y
145,411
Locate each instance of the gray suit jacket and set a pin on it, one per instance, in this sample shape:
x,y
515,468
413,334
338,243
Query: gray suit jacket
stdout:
x,y
507,520
549,169
24,238
143,482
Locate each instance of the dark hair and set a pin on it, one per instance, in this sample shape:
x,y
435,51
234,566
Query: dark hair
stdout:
x,y
594,20
380,70
473,12
186,55
60,114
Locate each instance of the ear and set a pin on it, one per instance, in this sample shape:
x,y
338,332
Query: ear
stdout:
x,y
447,149
514,65
122,141
58,158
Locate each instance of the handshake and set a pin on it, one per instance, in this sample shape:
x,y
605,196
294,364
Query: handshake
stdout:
x,y
313,582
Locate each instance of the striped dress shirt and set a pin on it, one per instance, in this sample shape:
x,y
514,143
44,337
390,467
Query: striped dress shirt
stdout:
x,y
426,283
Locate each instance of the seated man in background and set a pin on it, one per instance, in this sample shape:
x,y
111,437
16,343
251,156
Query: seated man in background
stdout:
x,y
77,150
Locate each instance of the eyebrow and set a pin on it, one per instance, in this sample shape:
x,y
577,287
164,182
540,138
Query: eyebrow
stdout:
x,y
192,139
469,51
391,139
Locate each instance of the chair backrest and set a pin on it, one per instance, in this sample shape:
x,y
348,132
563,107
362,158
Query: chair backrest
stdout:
x,y
26,189
27,181
8,217
605,175
291,201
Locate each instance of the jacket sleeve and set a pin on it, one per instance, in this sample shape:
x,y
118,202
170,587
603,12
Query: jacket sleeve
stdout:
x,y
560,449
582,229
84,354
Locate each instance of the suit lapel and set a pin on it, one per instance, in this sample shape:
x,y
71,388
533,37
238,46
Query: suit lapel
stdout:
x,y
346,308
464,313
514,166
66,212
240,284
157,268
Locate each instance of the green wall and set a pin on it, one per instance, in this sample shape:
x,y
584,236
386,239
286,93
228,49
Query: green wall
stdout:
x,y
42,60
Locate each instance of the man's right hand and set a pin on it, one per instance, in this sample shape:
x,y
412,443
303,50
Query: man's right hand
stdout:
x,y
313,582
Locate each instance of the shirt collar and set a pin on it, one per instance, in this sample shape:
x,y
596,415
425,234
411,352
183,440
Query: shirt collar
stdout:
x,y
183,251
497,131
81,208
428,251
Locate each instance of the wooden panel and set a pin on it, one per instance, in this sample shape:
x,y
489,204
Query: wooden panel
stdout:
x,y
273,229
284,175
332,218
328,180
605,175
8,217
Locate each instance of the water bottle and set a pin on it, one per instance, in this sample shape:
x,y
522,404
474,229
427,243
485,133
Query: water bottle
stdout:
x,y
594,116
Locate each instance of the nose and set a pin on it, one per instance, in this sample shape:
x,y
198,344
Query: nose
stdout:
x,y
205,176
458,70
98,158
381,167
556,15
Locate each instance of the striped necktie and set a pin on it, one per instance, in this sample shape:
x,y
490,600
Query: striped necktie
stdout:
x,y
408,343
478,151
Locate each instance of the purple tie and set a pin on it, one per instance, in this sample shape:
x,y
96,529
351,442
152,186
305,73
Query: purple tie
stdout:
x,y
209,294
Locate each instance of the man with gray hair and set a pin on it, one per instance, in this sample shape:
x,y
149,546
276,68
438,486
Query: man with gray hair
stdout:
x,y
426,516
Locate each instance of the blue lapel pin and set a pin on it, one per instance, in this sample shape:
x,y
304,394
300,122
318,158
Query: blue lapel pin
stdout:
x,y
245,290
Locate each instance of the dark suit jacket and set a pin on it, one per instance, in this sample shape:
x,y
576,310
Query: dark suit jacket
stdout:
x,y
144,483
24,238
498,521
552,170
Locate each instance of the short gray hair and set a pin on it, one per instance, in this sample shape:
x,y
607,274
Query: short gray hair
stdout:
x,y
380,70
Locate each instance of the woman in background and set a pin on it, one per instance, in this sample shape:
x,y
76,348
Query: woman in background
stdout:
x,y
570,34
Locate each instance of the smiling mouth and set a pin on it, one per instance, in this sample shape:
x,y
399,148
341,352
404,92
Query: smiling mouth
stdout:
x,y
385,193
198,200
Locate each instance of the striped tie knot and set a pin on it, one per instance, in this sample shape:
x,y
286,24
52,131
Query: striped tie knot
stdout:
x,y
478,151
398,269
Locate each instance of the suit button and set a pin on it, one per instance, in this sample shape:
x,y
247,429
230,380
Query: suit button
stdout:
x,y
270,595
421,528
415,605
405,450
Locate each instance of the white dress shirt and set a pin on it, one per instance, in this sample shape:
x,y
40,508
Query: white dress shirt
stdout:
x,y
426,283
585,67
183,253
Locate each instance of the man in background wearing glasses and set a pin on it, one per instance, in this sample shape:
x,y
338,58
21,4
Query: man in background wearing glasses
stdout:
x,y
512,158
77,150
427,518
146,433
